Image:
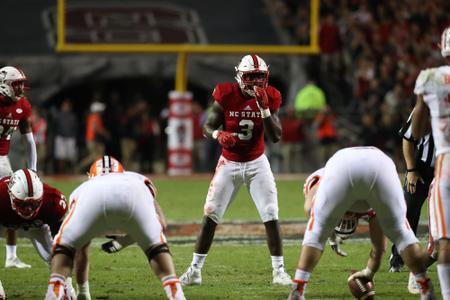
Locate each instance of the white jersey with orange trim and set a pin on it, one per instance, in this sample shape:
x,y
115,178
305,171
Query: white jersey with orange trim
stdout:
x,y
438,204
111,202
312,180
434,85
357,179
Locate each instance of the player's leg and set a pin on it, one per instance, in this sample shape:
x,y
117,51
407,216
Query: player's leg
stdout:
x,y
82,272
414,203
12,260
440,221
162,264
261,186
443,267
222,190
84,221
143,226
331,202
388,201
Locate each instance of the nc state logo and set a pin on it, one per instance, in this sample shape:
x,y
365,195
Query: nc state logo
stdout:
x,y
19,110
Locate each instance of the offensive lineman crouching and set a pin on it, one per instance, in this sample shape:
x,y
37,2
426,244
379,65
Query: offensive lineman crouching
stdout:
x,y
357,179
112,200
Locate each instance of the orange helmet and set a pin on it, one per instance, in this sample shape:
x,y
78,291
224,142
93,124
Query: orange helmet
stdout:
x,y
105,165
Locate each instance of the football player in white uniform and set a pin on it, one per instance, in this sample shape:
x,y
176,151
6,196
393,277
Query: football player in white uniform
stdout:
x,y
357,179
433,99
111,200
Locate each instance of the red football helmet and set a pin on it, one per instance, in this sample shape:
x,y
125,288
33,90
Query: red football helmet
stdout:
x,y
15,79
105,165
25,192
252,71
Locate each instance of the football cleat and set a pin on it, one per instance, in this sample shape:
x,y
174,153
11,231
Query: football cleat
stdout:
x,y
426,289
413,286
395,263
16,263
298,290
2,292
281,277
192,276
71,294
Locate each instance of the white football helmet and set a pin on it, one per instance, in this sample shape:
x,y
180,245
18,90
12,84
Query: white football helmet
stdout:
x,y
347,225
25,192
445,42
105,165
15,78
252,71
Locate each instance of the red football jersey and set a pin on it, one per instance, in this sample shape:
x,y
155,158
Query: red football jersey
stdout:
x,y
243,117
11,114
52,210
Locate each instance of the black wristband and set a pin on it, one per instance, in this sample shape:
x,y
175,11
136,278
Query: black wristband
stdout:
x,y
412,170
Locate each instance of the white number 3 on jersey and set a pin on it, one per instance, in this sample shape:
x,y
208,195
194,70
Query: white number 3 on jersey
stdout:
x,y
246,130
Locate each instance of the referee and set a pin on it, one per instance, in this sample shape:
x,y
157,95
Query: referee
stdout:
x,y
419,157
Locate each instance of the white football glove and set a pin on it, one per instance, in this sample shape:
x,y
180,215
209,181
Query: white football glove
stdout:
x,y
6,90
335,242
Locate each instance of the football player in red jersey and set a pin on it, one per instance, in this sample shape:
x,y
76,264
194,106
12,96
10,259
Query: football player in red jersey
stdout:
x,y
15,112
239,117
34,208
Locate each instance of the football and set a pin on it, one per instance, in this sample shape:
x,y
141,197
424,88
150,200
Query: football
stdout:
x,y
361,288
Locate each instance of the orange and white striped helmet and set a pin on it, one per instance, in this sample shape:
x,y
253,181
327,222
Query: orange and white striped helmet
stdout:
x,y
105,165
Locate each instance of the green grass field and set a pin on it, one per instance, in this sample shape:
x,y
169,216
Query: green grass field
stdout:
x,y
232,271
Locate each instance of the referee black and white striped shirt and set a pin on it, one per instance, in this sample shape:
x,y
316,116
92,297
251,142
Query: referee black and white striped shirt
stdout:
x,y
424,147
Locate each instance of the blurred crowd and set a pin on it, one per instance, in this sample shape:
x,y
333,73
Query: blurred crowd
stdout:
x,y
68,141
358,91
371,54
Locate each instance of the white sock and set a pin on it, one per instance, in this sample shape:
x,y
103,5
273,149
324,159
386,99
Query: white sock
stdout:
x,y
11,251
83,288
301,279
423,281
56,285
172,287
198,260
444,279
302,275
277,262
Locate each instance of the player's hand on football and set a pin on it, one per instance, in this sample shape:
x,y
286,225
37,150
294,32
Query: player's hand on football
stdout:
x,y
365,273
6,90
226,139
262,100
411,181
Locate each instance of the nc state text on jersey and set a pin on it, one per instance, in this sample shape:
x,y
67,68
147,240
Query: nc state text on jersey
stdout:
x,y
9,122
245,114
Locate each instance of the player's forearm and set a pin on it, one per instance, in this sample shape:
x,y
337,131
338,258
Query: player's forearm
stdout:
x,y
419,119
409,154
30,149
272,128
208,131
375,258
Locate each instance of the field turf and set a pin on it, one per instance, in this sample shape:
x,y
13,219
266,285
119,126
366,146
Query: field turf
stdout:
x,y
232,271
